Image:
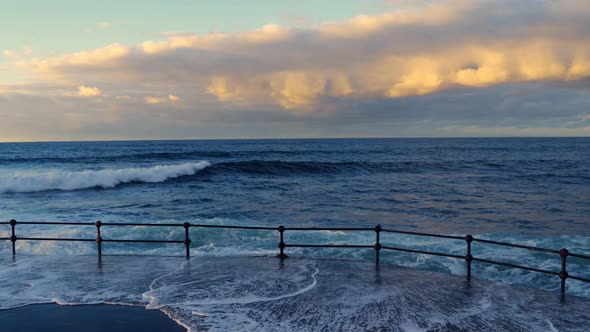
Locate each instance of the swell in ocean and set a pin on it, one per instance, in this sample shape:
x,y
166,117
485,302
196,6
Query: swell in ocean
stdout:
x,y
105,178
523,191
36,181
23,182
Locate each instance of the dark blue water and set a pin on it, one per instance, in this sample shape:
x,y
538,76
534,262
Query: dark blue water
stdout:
x,y
529,190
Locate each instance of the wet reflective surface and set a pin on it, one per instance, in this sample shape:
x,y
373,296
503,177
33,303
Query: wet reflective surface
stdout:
x,y
298,294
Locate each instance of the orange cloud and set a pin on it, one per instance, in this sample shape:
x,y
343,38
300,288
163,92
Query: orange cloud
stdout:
x,y
98,57
161,100
409,52
88,91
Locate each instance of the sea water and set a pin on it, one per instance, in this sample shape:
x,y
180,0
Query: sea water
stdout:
x,y
531,191
297,294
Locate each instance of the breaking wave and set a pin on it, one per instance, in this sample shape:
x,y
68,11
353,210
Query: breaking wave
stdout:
x,y
105,178
27,182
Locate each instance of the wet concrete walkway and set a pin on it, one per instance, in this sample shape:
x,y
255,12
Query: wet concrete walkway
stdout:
x,y
297,294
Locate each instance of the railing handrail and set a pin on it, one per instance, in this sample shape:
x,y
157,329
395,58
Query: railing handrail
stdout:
x,y
563,253
335,229
445,236
455,237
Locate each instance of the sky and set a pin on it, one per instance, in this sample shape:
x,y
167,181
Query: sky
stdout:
x,y
180,69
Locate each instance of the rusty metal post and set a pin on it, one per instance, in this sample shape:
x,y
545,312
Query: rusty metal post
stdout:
x,y
98,224
281,255
468,257
377,243
187,240
563,273
13,236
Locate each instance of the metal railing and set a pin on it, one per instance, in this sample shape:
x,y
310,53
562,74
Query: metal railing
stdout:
x,y
377,246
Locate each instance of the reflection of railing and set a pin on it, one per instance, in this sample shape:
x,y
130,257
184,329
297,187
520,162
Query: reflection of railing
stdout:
x,y
563,253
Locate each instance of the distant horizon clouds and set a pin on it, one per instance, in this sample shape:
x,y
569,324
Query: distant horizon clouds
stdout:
x,y
440,68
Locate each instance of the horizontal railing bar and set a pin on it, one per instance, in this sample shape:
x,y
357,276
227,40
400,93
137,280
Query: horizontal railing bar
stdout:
x,y
578,278
516,246
4,238
140,224
329,229
424,234
329,246
55,223
143,241
290,228
235,227
579,256
423,252
514,266
192,225
53,239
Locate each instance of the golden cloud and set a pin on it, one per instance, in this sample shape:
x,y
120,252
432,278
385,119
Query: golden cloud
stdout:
x,y
96,58
88,91
161,100
410,52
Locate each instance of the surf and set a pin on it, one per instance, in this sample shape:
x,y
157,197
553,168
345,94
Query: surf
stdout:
x,y
104,178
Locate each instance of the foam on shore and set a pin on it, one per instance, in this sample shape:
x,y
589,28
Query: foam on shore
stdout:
x,y
267,294
229,242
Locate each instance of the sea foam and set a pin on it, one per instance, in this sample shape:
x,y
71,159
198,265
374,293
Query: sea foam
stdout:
x,y
105,178
298,294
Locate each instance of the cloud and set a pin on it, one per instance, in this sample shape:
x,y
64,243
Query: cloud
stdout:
x,y
551,109
10,54
471,131
100,25
161,100
88,91
268,34
410,52
26,52
442,68
103,57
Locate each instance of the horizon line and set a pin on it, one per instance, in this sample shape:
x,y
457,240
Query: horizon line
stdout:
x,y
283,138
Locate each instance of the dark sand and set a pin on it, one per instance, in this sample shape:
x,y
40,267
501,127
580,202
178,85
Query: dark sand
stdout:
x,y
86,318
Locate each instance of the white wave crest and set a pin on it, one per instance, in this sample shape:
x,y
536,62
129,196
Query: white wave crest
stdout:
x,y
106,178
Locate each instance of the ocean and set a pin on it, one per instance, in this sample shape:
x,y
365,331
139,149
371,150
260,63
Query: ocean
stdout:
x,y
531,191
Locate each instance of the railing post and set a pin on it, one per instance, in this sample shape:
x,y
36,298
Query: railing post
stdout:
x,y
13,236
377,243
563,273
468,257
98,224
187,240
281,255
